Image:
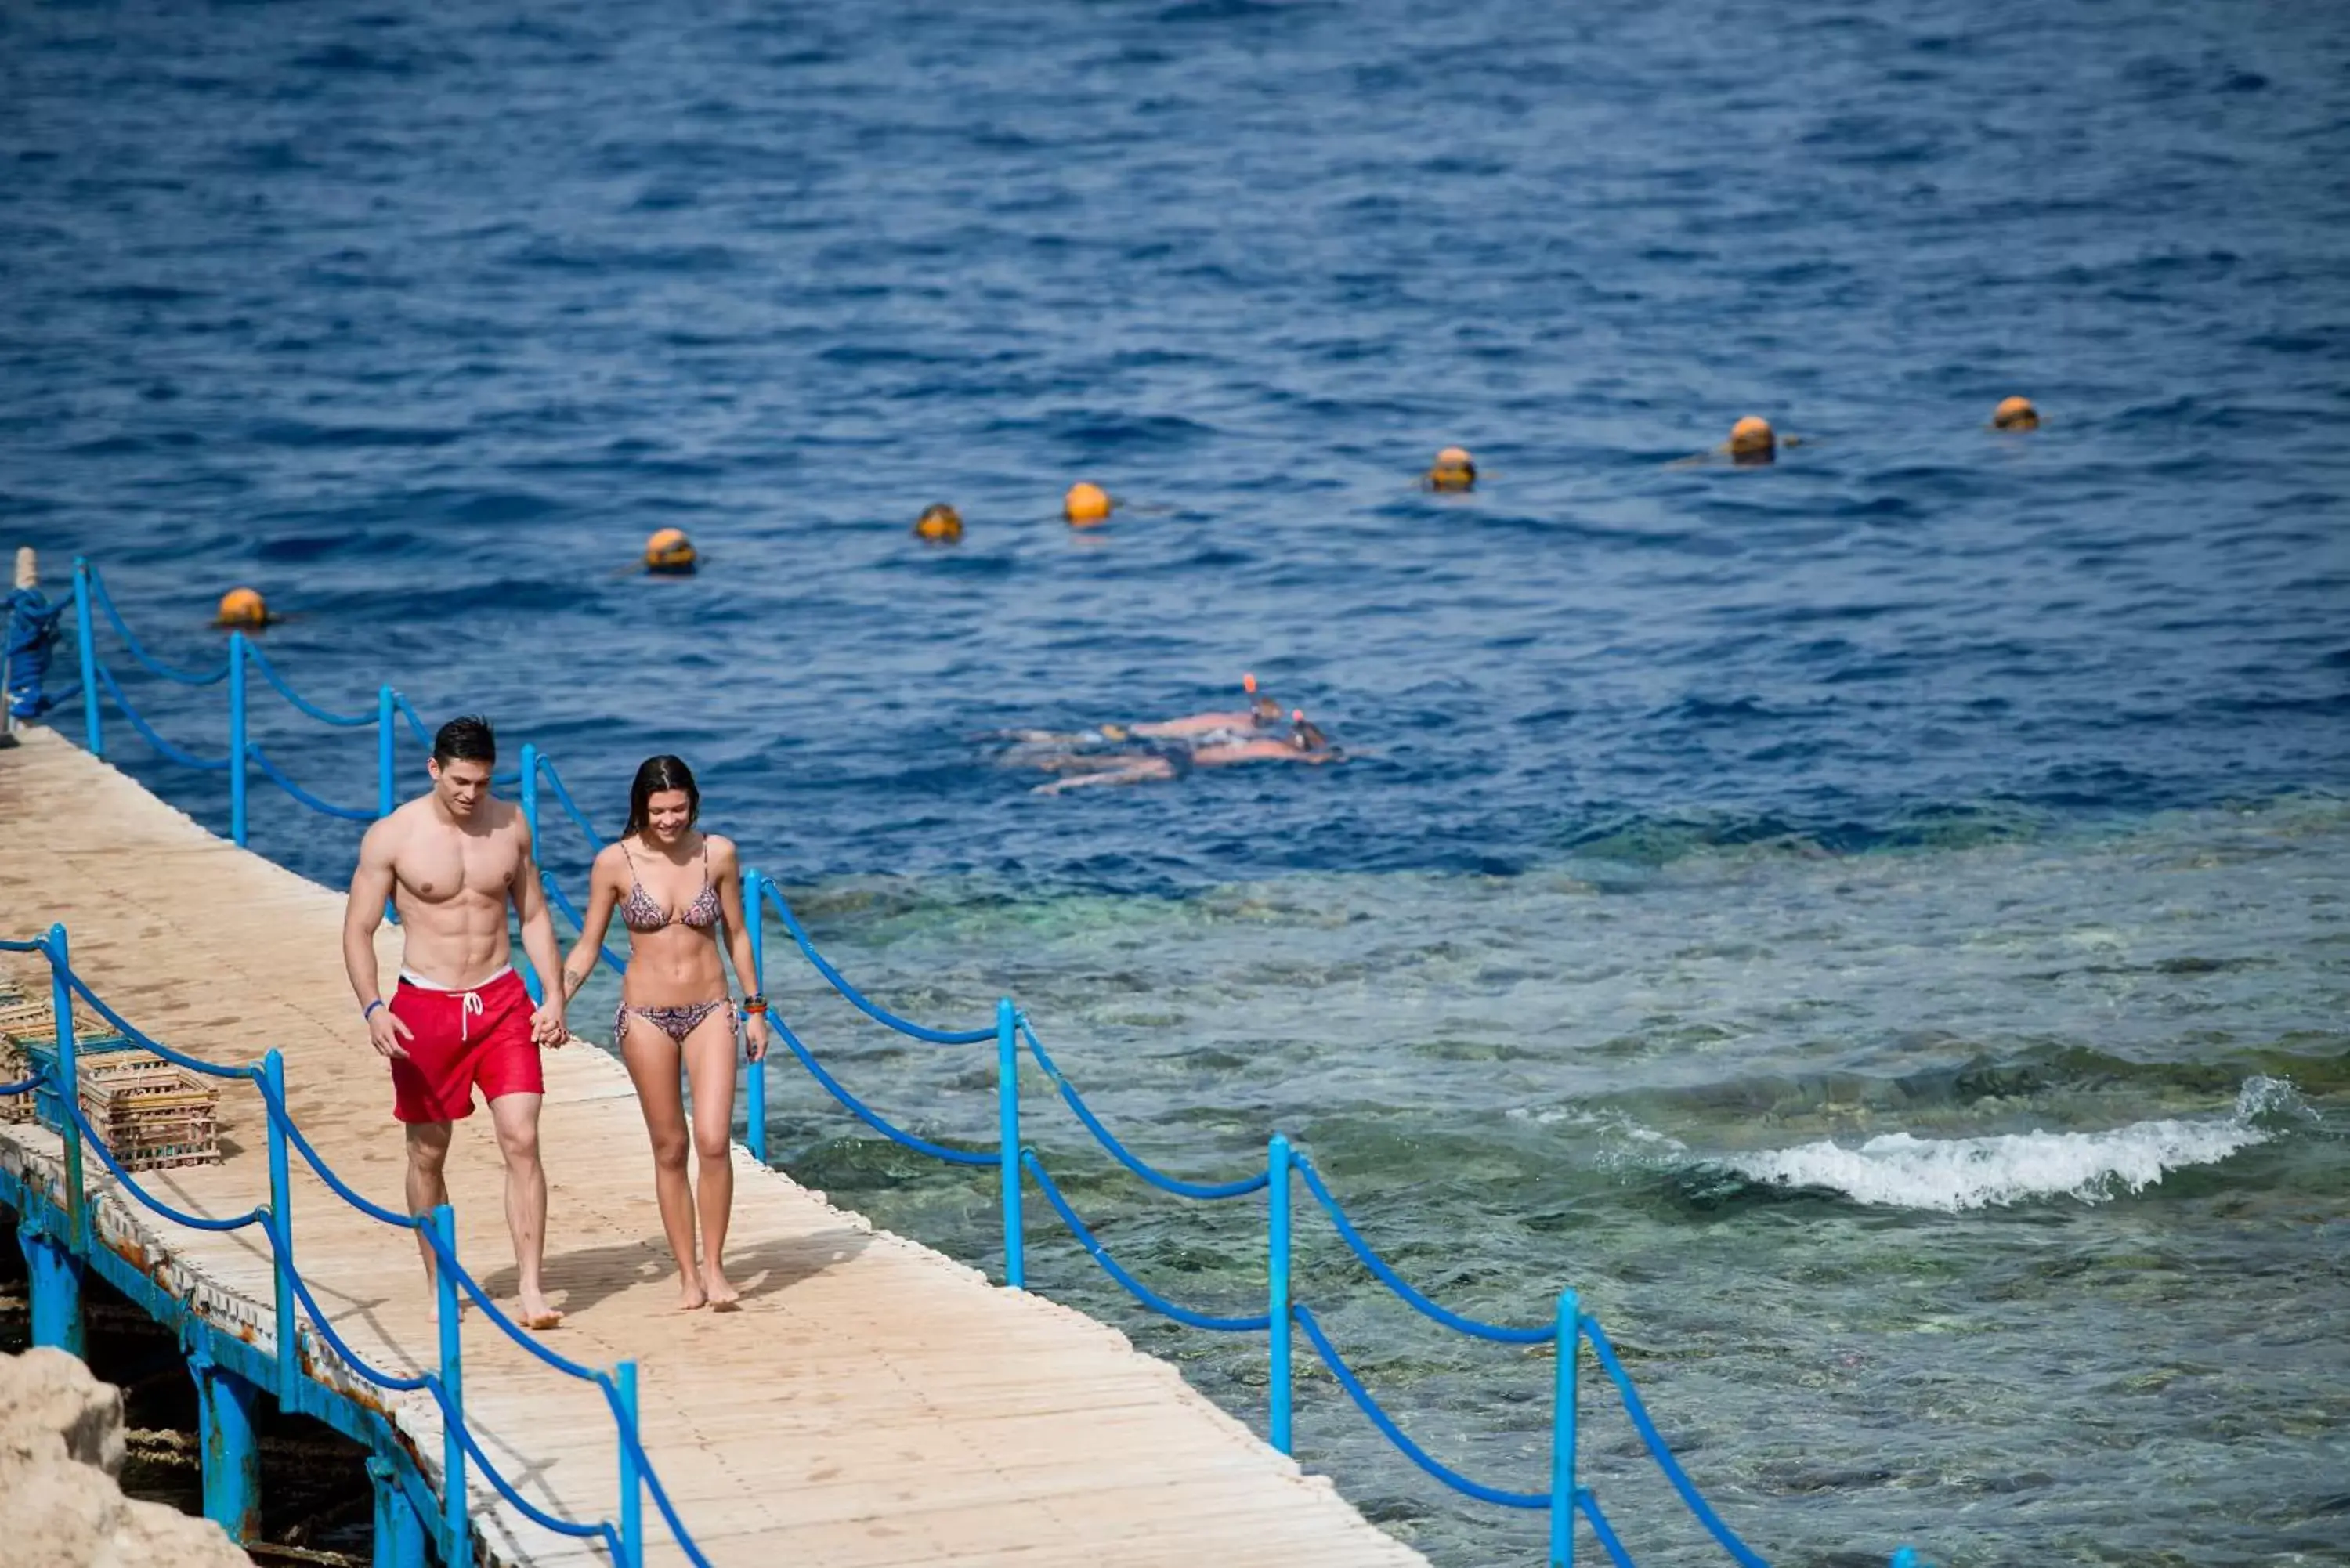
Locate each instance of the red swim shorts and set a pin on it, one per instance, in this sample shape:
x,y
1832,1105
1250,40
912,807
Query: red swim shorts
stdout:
x,y
458,1039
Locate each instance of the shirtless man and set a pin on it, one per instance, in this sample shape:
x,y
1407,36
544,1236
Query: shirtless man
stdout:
x,y
451,861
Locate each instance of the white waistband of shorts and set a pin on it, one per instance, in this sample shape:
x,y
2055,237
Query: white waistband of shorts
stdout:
x,y
410,977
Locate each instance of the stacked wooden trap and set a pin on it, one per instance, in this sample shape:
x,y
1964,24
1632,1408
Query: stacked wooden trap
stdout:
x,y
149,1113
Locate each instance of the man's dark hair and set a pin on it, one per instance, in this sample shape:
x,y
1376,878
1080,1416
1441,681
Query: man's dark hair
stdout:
x,y
465,740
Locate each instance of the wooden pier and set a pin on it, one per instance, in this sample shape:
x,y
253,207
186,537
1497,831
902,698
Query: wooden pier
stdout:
x,y
874,1405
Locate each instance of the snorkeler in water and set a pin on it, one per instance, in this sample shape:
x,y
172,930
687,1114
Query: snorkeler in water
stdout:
x,y
1263,716
1306,742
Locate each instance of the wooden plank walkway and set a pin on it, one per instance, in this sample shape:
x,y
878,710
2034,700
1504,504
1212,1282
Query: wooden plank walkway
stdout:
x,y
873,1405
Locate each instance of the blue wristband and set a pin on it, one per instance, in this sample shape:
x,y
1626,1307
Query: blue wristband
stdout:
x,y
369,1011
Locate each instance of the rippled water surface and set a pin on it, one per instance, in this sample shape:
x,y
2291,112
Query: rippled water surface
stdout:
x,y
1876,925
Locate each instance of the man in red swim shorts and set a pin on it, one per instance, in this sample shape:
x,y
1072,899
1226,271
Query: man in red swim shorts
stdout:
x,y
451,861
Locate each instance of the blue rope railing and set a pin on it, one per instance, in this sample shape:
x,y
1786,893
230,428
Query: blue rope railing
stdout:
x,y
1395,1435
570,807
1659,1451
323,807
61,1071
145,659
302,703
1606,1531
162,747
570,911
856,998
1015,1162
132,1185
1403,1288
1206,1191
1136,1288
139,1038
866,1112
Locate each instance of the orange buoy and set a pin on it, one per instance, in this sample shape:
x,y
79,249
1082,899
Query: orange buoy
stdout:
x,y
1086,505
242,608
670,553
940,524
1751,439
1453,469
2016,414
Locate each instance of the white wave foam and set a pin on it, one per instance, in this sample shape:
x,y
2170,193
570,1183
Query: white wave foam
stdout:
x,y
1899,1170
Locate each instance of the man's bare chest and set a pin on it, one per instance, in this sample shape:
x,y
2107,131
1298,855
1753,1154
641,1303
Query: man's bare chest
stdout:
x,y
440,868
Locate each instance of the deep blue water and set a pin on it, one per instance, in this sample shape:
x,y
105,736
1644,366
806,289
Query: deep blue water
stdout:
x,y
420,319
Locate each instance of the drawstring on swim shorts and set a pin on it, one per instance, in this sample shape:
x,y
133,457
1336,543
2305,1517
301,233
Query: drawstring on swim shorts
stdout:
x,y
474,1005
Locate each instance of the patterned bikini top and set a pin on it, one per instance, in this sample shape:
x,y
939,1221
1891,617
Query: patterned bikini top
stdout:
x,y
639,913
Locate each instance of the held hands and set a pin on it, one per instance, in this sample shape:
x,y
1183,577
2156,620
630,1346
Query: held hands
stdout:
x,y
547,1026
386,1031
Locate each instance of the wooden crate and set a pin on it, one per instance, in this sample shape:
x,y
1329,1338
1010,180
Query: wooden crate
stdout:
x,y
150,1112
14,1067
29,1037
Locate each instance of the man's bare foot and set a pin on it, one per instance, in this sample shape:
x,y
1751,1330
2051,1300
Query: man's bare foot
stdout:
x,y
535,1314
723,1297
690,1294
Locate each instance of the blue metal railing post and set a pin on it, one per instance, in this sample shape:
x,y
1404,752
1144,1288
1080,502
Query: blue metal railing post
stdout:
x,y
754,1091
530,976
457,1541
85,641
236,742
69,1088
399,1533
55,1285
1276,1290
1906,1558
1568,1350
1007,1124
386,715
632,1502
230,1449
530,796
281,1226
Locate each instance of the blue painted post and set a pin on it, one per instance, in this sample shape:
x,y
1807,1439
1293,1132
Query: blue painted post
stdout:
x,y
632,1500
57,1292
1276,1290
530,980
1906,1558
231,1454
69,1088
399,1533
387,714
236,742
1007,1127
530,792
281,1227
86,642
755,912
1562,1431
457,1539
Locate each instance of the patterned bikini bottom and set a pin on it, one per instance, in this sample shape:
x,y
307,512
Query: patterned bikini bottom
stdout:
x,y
677,1022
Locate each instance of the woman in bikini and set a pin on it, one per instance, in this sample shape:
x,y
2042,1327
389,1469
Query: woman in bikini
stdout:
x,y
671,885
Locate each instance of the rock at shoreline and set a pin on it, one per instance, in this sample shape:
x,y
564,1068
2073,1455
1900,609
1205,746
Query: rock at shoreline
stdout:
x,y
61,1448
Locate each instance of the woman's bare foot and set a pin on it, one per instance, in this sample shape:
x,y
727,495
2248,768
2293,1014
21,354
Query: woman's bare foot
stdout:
x,y
690,1294
723,1297
535,1314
